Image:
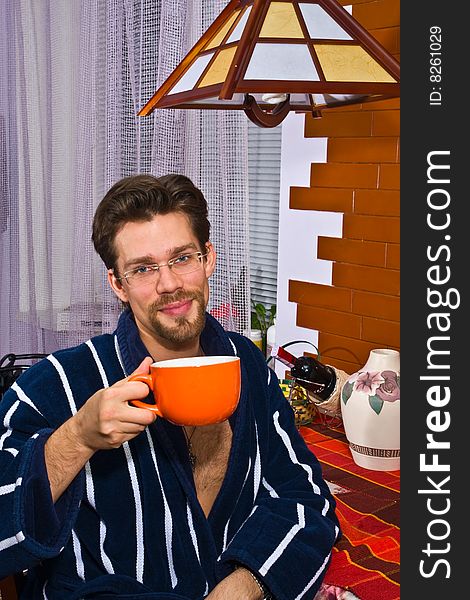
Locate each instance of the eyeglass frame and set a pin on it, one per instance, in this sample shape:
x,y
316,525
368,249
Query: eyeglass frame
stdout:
x,y
156,267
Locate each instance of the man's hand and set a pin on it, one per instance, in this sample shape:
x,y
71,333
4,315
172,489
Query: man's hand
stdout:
x,y
239,584
104,422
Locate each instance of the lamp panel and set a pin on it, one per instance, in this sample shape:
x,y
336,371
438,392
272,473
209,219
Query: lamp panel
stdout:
x,y
223,31
218,69
192,75
350,63
291,62
320,25
281,22
237,32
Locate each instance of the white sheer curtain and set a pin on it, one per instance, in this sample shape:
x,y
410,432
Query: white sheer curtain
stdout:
x,y
72,78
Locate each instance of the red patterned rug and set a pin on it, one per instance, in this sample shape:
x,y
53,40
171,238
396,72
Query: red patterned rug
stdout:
x,y
366,560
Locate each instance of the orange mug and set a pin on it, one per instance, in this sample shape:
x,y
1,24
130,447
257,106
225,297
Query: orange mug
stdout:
x,y
198,390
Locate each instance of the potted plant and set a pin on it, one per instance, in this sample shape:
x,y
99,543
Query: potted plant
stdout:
x,y
262,318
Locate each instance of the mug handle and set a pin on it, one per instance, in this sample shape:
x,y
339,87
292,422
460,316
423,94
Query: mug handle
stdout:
x,y
147,379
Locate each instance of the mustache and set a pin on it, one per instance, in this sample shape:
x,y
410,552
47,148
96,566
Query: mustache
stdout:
x,y
176,297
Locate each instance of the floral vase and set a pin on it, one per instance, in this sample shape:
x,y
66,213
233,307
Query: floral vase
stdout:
x,y
370,408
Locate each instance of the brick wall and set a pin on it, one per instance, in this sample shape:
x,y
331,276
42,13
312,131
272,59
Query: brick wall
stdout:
x,y
361,179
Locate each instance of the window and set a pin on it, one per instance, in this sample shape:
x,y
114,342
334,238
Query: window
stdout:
x,y
264,167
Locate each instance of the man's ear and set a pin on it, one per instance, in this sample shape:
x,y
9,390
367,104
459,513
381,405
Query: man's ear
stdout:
x,y
211,259
117,286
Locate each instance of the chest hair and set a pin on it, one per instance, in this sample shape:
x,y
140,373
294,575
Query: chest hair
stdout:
x,y
211,447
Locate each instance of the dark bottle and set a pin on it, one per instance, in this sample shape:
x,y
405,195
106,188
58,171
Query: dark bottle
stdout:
x,y
314,376
310,373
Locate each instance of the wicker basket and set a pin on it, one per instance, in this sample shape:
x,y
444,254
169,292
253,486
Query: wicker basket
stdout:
x,y
303,407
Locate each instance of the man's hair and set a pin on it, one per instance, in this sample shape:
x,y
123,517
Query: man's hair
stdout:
x,y
140,198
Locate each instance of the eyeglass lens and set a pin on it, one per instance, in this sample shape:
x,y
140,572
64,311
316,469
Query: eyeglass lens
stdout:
x,y
181,265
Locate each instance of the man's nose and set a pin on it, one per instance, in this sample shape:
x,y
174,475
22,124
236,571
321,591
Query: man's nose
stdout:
x,y
168,281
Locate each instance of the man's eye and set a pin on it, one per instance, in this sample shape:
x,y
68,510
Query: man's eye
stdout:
x,y
143,269
182,259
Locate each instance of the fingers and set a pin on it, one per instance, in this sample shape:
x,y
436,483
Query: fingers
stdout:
x,y
144,366
140,416
131,429
107,419
129,390
117,397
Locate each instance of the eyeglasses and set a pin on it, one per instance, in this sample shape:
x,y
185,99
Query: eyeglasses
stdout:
x,y
181,265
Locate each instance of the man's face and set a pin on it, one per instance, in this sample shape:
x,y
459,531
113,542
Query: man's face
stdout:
x,y
170,310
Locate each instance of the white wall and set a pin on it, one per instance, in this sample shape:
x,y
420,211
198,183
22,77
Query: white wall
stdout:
x,y
298,233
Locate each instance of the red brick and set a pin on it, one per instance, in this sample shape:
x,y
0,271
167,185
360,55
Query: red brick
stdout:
x,y
383,333
370,279
351,251
386,122
328,199
389,38
377,229
378,14
339,123
377,202
387,104
376,305
393,256
328,320
389,177
343,175
344,348
363,150
316,294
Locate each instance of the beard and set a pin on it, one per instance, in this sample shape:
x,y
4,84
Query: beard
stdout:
x,y
183,329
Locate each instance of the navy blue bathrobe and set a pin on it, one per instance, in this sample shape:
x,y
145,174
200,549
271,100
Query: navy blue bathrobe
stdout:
x,y
130,524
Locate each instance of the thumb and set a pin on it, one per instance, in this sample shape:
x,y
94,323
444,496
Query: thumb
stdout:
x,y
144,366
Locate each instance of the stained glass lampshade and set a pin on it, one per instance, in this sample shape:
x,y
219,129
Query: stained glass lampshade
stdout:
x,y
269,57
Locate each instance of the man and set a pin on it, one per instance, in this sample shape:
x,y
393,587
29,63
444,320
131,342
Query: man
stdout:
x,y
100,500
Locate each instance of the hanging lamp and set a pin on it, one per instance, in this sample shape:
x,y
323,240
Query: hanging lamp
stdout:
x,y
269,57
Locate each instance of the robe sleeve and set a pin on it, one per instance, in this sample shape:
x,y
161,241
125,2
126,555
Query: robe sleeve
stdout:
x,y
288,538
32,527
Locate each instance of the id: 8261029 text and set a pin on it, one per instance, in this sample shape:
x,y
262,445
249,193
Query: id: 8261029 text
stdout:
x,y
435,65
